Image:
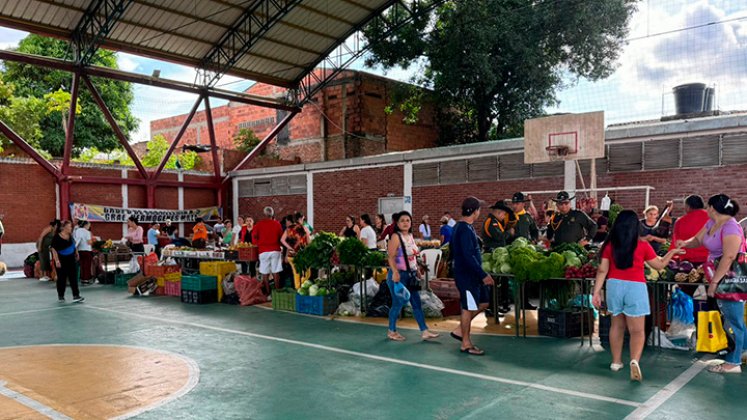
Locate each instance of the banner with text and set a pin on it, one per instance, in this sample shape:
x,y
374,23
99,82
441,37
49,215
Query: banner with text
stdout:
x,y
96,213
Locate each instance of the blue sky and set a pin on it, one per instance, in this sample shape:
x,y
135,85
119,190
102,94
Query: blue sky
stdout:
x,y
661,53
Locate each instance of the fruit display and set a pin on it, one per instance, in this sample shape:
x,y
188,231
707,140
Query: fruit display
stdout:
x,y
586,271
432,244
240,245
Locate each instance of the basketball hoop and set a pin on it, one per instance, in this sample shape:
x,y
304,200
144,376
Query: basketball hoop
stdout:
x,y
557,152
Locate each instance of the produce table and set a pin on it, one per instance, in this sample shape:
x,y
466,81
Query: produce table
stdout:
x,y
192,255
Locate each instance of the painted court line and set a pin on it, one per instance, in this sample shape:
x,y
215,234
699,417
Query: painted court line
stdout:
x,y
382,358
653,403
33,310
31,403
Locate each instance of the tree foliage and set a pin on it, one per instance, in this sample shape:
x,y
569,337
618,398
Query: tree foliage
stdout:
x,y
495,63
246,140
48,93
157,149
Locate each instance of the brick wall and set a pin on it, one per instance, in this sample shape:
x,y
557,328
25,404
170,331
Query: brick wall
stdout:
x,y
337,194
283,205
363,98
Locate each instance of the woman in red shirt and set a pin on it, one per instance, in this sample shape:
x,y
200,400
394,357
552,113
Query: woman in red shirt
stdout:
x,y
622,264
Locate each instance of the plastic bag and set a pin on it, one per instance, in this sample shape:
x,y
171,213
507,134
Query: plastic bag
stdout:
x,y
349,309
249,290
401,292
133,267
663,340
371,288
681,308
431,304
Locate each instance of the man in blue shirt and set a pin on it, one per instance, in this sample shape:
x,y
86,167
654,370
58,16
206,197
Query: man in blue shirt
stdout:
x,y
153,234
445,231
470,278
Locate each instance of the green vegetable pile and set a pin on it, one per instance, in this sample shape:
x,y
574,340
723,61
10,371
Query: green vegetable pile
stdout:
x,y
615,209
351,251
375,259
317,253
316,288
525,261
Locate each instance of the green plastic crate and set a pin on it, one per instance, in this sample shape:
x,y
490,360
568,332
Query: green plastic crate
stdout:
x,y
283,301
120,280
199,283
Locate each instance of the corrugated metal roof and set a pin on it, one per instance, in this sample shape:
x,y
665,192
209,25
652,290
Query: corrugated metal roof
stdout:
x,y
186,31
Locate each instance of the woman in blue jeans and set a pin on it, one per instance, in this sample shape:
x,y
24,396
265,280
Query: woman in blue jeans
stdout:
x,y
723,237
403,268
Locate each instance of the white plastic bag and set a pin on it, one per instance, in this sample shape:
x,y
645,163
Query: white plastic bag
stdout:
x,y
134,267
372,288
663,340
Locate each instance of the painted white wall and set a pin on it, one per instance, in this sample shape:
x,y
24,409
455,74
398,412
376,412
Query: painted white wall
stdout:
x,y
14,254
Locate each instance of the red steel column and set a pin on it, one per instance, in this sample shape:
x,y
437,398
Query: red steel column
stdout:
x,y
211,134
70,133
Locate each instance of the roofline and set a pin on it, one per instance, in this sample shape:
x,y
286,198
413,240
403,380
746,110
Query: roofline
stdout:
x,y
661,130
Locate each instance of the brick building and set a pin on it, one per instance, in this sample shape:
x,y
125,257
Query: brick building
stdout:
x,y
347,119
643,163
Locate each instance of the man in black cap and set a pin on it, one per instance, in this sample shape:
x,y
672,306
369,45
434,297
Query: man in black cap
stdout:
x,y
525,227
471,280
569,226
497,230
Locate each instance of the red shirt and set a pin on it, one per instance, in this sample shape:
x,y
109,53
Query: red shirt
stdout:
x,y
685,228
388,231
643,252
266,235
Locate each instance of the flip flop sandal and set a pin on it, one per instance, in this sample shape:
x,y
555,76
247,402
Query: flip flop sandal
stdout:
x,y
397,337
430,336
721,369
635,372
455,337
474,351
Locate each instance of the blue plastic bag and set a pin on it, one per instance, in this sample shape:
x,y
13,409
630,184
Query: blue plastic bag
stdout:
x,y
681,308
401,292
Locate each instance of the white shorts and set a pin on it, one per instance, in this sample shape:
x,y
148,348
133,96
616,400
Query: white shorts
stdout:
x,y
270,262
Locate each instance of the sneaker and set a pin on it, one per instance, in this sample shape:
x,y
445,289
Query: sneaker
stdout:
x,y
78,299
44,278
61,300
615,367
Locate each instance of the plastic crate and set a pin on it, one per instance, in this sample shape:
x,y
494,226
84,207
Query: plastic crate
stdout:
x,y
160,291
444,288
217,268
173,277
199,283
200,297
161,270
452,307
120,280
564,324
173,288
249,254
316,305
284,301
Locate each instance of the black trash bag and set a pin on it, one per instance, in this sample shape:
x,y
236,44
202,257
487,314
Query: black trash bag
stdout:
x,y
343,291
232,299
380,304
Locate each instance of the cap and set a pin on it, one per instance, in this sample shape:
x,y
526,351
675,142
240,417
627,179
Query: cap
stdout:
x,y
470,205
445,219
562,197
519,198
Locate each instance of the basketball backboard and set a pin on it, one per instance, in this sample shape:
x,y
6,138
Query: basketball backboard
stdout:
x,y
564,137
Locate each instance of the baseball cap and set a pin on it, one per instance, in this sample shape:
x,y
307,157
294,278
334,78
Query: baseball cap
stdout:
x,y
470,205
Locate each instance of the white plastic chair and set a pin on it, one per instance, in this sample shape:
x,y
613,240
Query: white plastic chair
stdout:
x,y
431,257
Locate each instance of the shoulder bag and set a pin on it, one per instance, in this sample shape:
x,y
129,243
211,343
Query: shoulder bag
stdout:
x,y
412,282
733,286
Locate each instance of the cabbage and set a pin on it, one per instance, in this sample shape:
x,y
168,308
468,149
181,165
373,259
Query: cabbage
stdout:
x,y
505,269
313,290
487,266
520,242
322,291
303,292
306,284
573,262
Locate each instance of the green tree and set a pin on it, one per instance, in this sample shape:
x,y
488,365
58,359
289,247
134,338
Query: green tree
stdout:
x,y
157,149
495,63
91,129
245,140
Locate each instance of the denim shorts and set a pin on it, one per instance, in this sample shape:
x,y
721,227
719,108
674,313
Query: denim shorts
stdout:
x,y
627,297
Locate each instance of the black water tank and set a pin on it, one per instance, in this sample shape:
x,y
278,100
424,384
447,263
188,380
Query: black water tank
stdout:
x,y
709,94
689,98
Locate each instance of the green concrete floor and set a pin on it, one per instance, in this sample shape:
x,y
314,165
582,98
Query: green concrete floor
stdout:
x,y
256,363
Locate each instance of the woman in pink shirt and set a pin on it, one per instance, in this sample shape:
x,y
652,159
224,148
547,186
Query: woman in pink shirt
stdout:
x,y
134,235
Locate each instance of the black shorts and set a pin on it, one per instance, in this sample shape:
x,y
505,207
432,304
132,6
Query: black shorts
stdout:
x,y
472,295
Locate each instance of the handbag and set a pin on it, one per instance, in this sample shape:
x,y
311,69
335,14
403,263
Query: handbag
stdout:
x,y
733,286
711,334
412,282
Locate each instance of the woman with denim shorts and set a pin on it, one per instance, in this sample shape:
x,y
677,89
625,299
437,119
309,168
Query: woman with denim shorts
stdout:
x,y
623,255
723,237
